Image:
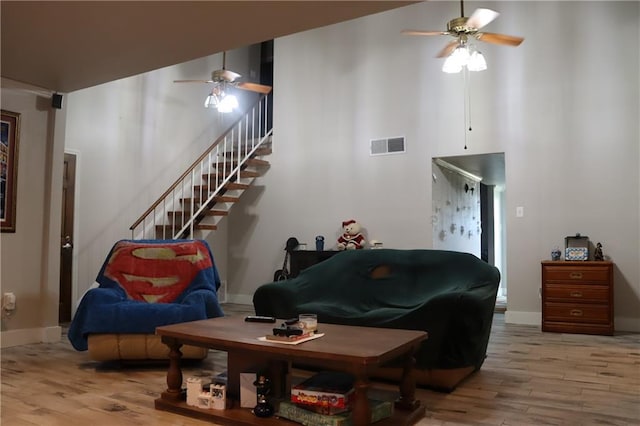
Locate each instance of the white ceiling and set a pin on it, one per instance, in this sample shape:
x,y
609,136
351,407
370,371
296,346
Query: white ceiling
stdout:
x,y
70,45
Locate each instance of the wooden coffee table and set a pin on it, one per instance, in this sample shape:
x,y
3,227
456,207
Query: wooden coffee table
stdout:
x,y
355,350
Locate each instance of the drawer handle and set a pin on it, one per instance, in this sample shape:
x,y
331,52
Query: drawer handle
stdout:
x,y
576,312
576,294
575,275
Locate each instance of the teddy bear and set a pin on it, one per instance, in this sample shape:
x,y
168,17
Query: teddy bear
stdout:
x,y
351,237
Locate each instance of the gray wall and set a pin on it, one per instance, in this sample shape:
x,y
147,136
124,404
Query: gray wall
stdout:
x,y
563,107
29,257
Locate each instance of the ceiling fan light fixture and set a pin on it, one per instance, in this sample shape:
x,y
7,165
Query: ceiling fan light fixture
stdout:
x,y
476,62
451,65
211,101
464,56
221,101
228,104
457,60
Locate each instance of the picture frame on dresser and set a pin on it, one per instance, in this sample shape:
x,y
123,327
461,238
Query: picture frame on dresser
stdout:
x,y
9,141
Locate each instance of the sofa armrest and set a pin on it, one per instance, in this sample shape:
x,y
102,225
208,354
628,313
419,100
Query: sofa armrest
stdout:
x,y
276,299
459,325
205,298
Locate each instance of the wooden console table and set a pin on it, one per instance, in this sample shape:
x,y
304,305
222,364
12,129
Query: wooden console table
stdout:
x,y
354,350
302,259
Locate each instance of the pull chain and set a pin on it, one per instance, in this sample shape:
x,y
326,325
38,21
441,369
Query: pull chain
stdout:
x,y
464,103
469,97
467,103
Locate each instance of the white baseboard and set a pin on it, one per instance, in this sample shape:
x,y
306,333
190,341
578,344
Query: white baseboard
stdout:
x,y
240,299
523,318
627,324
28,336
535,318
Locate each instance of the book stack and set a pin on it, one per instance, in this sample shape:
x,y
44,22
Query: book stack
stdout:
x,y
326,399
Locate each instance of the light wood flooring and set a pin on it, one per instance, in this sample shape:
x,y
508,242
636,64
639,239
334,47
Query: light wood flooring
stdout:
x,y
528,378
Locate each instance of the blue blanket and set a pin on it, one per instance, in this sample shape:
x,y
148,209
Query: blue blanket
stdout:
x,y
144,284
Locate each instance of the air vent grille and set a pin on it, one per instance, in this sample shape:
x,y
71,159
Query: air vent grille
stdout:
x,y
386,146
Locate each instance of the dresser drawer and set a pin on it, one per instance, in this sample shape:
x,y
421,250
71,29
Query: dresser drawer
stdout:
x,y
577,313
576,273
577,293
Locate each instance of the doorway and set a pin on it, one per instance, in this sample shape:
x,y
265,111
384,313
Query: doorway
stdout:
x,y
66,238
481,177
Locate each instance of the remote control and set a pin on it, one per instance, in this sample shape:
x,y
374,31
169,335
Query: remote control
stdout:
x,y
259,318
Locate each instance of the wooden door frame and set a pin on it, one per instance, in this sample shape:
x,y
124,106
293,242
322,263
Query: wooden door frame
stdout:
x,y
65,304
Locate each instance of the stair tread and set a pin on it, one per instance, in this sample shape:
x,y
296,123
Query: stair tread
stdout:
x,y
217,213
225,199
243,174
228,185
234,163
263,150
206,227
186,212
249,173
236,185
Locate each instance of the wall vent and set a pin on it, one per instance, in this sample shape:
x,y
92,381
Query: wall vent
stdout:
x,y
386,146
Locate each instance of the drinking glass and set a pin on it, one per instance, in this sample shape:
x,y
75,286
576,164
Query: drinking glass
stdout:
x,y
309,322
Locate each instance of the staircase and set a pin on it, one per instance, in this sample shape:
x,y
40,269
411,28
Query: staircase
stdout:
x,y
204,194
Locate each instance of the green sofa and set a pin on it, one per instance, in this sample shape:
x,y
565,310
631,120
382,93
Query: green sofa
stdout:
x,y
451,295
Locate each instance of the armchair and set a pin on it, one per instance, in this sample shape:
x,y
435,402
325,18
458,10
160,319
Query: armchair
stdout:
x,y
144,284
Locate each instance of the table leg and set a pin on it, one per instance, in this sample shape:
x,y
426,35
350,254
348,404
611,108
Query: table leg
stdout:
x,y
174,374
279,373
361,409
407,399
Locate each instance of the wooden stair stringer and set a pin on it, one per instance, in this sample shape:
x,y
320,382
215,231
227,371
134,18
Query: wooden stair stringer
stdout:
x,y
221,205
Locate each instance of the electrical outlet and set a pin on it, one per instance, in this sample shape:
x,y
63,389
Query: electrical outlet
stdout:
x,y
8,301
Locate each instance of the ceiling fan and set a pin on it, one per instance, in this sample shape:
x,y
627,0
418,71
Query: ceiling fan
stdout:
x,y
463,28
224,78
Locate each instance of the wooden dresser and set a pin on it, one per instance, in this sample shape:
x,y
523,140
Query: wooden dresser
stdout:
x,y
300,260
577,297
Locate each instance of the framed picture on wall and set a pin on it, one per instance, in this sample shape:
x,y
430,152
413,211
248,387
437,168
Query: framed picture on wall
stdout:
x,y
9,139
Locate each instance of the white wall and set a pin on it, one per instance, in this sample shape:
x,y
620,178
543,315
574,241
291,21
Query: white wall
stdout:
x,y
563,107
30,257
134,137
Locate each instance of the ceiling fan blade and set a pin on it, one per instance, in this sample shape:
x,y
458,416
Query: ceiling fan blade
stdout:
x,y
254,87
500,39
481,17
423,33
193,81
447,49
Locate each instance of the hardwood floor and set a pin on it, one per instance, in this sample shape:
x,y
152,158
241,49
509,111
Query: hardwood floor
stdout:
x,y
528,378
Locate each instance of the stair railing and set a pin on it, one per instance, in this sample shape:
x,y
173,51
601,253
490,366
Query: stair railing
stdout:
x,y
176,213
